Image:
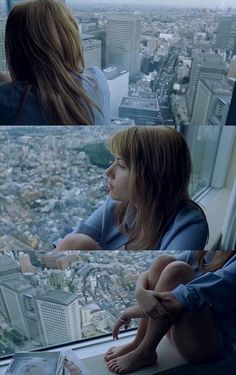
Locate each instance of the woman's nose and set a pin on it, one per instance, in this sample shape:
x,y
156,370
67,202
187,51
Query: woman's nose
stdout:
x,y
109,170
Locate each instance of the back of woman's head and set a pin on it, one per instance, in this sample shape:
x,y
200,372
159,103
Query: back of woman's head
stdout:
x,y
159,161
43,47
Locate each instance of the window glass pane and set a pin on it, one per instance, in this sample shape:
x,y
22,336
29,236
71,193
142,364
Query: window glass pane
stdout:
x,y
51,177
203,144
46,302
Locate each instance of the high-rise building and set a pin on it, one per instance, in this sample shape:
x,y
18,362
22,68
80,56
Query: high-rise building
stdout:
x,y
59,316
118,83
8,270
226,33
92,52
13,293
208,92
25,263
204,65
2,41
232,68
123,42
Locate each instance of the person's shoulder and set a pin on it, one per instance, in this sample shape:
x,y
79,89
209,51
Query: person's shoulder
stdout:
x,y
188,213
93,71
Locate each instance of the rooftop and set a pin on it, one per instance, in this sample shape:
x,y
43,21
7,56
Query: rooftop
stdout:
x,y
58,296
140,103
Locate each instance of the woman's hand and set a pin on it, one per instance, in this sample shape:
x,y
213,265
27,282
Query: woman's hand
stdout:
x,y
122,321
149,302
169,302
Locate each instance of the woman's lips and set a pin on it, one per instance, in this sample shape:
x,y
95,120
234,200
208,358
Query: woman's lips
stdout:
x,y
110,186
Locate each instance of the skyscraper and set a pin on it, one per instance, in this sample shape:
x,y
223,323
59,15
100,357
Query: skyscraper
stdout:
x,y
2,41
226,33
123,41
208,93
59,316
204,65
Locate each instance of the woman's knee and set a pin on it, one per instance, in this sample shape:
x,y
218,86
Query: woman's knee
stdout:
x,y
160,263
177,272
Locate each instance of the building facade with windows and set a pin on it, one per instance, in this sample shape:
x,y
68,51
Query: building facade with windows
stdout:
x,y
123,42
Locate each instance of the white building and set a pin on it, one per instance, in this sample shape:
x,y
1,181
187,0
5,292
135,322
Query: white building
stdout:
x,y
118,83
59,316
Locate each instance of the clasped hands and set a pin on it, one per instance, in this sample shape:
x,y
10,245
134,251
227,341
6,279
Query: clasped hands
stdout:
x,y
152,304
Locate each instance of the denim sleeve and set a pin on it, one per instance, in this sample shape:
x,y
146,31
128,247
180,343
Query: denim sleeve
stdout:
x,y
191,237
100,94
216,289
92,226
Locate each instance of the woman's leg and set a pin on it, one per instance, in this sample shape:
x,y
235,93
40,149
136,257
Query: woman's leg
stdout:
x,y
194,335
154,274
77,242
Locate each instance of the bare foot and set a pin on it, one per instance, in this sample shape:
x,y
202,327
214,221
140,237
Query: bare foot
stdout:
x,y
117,351
131,362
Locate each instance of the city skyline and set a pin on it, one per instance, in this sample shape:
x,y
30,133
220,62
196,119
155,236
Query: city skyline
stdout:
x,y
171,3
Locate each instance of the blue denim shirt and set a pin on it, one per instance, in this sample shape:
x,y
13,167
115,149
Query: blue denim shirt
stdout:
x,y
11,96
188,231
216,290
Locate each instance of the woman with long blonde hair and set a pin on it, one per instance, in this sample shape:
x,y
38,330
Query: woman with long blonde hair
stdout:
x,y
50,84
190,297
148,205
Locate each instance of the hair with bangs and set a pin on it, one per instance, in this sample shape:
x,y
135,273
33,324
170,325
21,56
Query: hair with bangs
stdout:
x,y
43,49
159,165
218,260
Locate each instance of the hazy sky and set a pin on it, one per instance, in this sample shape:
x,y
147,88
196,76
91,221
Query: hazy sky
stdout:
x,y
177,3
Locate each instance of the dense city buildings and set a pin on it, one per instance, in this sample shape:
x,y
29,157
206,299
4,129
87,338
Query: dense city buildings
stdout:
x,y
56,306
164,51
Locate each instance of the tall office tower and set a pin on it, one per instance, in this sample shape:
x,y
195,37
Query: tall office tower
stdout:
x,y
25,263
13,294
220,110
232,68
208,92
59,316
8,270
2,41
92,52
226,33
123,42
118,83
204,65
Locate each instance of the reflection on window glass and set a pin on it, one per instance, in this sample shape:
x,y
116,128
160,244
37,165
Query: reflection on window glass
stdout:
x,y
204,150
55,298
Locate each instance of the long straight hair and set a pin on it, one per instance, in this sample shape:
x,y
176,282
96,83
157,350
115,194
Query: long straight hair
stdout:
x,y
218,260
43,49
159,165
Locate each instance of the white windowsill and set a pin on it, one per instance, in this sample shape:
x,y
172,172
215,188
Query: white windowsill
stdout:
x,y
92,354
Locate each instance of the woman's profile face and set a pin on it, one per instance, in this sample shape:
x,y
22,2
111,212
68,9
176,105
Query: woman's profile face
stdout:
x,y
118,182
